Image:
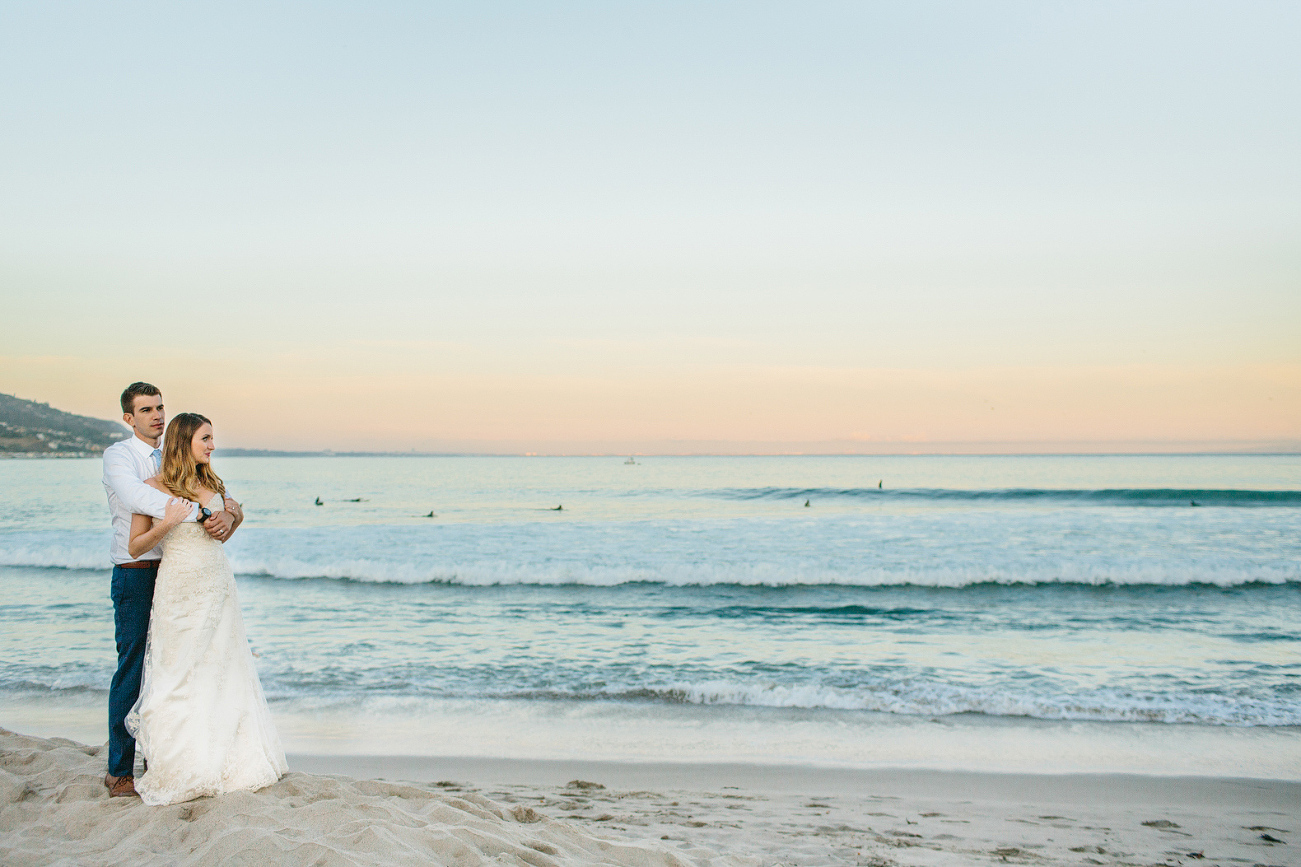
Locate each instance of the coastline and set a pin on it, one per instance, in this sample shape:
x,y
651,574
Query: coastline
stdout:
x,y
403,809
345,738
1014,450
1080,788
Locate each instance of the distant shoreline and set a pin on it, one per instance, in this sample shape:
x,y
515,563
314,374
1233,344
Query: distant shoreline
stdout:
x,y
274,453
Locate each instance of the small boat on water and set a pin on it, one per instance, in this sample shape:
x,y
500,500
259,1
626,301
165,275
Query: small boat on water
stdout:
x,y
629,461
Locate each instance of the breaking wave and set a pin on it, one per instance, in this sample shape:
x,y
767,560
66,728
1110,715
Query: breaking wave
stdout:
x,y
1104,497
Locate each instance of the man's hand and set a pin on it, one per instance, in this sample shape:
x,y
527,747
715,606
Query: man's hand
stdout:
x,y
220,525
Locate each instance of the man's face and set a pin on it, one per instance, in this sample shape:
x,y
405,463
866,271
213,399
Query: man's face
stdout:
x,y
147,419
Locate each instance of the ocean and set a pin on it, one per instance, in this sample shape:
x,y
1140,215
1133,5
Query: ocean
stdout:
x,y
1042,613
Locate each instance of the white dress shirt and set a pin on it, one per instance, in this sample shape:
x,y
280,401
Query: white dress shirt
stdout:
x,y
126,466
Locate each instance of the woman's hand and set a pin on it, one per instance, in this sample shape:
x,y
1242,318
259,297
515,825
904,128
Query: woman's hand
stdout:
x,y
177,511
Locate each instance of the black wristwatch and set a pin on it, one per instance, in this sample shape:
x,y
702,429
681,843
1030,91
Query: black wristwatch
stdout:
x,y
204,514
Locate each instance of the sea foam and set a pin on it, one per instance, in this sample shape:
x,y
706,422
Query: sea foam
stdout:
x,y
290,554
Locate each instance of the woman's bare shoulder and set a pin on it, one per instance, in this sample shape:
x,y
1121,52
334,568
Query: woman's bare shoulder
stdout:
x,y
154,483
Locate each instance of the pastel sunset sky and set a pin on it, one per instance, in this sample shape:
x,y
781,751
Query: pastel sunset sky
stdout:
x,y
660,227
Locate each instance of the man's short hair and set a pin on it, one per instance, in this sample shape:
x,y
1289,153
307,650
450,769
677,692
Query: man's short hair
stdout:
x,y
134,390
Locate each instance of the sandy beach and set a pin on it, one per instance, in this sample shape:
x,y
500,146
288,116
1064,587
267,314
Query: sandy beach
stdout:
x,y
423,810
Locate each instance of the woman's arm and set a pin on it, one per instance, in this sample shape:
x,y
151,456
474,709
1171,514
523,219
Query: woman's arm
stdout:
x,y
147,533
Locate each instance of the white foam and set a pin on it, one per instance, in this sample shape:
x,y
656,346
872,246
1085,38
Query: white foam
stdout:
x,y
55,557
383,554
396,571
932,699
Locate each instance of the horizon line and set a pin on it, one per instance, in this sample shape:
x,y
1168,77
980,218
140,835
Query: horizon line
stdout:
x,y
245,452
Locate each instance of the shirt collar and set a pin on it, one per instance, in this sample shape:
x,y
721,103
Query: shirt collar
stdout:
x,y
142,448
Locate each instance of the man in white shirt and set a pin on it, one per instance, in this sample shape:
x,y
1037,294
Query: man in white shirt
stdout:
x,y
126,466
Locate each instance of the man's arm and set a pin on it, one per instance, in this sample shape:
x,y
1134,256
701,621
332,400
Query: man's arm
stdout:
x,y
224,523
134,494
237,511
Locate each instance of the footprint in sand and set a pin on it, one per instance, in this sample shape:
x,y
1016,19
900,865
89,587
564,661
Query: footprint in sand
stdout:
x,y
1166,827
1160,823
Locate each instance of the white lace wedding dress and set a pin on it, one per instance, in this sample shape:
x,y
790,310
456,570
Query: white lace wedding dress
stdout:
x,y
201,720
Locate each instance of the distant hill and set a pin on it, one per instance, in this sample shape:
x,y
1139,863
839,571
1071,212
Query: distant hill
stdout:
x,y
33,429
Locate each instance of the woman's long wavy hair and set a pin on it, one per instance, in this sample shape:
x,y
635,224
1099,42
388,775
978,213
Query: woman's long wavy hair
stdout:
x,y
181,473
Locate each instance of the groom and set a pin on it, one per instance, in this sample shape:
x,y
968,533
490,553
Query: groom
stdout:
x,y
126,466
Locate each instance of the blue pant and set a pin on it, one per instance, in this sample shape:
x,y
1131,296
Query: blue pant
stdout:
x,y
133,594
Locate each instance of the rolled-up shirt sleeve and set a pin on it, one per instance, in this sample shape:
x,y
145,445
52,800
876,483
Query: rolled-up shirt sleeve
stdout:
x,y
132,493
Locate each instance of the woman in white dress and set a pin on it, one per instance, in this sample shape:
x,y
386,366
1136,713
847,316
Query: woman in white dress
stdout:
x,y
201,720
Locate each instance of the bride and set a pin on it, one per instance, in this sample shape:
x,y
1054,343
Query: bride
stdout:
x,y
201,719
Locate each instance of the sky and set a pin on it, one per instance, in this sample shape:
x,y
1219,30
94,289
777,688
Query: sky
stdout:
x,y
660,227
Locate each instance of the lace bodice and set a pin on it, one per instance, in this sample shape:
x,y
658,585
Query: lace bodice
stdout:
x,y
186,529
196,560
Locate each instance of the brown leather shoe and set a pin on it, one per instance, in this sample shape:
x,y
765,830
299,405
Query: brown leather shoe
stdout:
x,y
120,787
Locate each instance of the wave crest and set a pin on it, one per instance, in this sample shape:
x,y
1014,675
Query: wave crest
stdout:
x,y
1100,497
935,699
365,570
914,698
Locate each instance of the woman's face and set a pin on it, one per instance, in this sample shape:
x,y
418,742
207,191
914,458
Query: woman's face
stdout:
x,y
201,446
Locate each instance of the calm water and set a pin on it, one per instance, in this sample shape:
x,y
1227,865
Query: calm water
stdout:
x,y
1069,613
